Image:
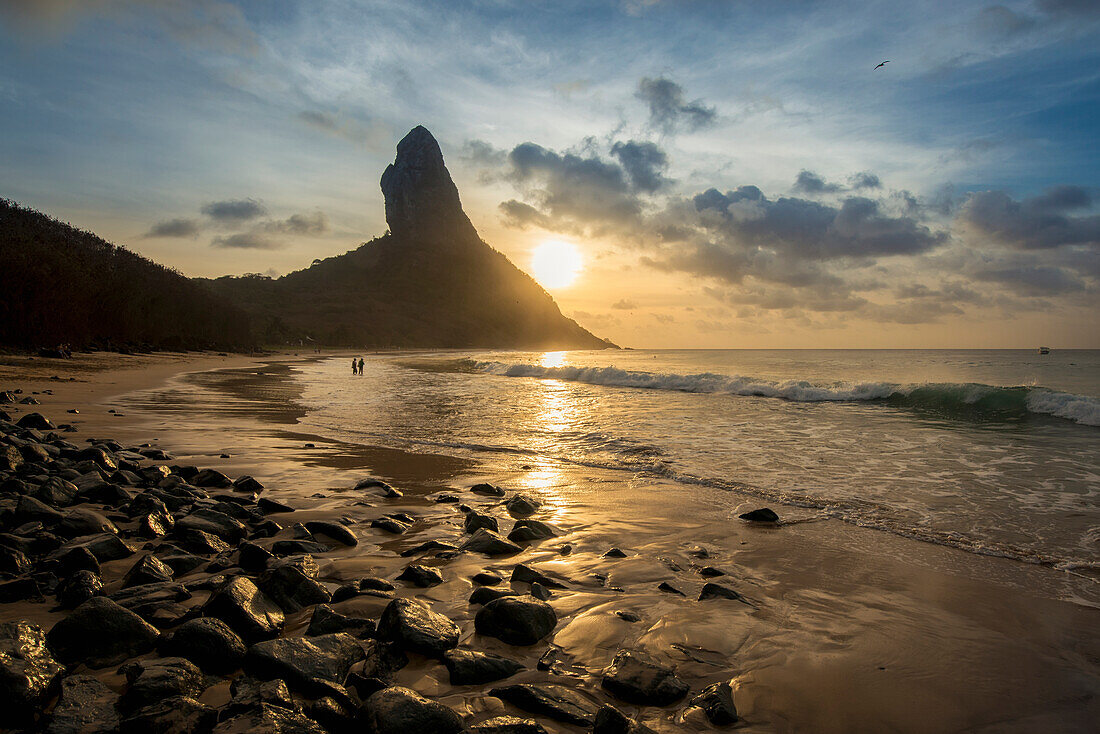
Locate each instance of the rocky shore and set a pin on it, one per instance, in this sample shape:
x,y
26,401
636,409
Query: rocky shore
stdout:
x,y
180,599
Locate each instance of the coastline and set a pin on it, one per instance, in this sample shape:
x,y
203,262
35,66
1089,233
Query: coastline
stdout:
x,y
846,629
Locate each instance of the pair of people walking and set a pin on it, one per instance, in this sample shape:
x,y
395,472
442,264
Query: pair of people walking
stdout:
x,y
357,367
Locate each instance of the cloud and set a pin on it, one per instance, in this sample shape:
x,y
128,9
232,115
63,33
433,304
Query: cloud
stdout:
x,y
864,180
234,210
174,228
1039,222
300,224
370,134
246,241
668,111
596,320
808,182
624,305
644,163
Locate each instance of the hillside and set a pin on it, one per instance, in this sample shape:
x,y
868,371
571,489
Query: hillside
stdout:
x,y
61,285
430,282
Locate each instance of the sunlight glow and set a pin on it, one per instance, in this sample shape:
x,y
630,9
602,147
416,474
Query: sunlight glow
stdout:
x,y
552,359
556,264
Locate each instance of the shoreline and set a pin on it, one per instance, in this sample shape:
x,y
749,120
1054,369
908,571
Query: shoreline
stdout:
x,y
840,635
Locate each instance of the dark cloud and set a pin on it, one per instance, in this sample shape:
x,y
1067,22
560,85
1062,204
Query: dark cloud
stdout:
x,y
644,163
234,210
1033,279
483,154
668,111
864,180
624,305
300,224
1070,7
246,241
808,182
1040,222
174,228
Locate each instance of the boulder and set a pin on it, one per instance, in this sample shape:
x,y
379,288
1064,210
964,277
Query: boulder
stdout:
x,y
467,667
475,520
389,524
556,702
716,701
403,711
250,693
308,664
270,506
200,541
490,543
82,521
156,525
326,620
154,680
487,489
413,626
207,642
717,591
508,725
428,547
298,547
100,633
31,509
764,514
516,620
636,677
85,706
57,492
13,562
216,523
211,478
268,719
609,720
148,570
614,553
246,609
36,421
29,674
485,594
333,530
247,484
421,576
521,505
292,588
486,578
105,547
79,588
527,530
175,715
524,574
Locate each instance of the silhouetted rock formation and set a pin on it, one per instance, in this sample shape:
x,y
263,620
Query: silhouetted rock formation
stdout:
x,y
430,282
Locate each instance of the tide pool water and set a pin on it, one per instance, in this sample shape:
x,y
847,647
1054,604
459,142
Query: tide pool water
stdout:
x,y
994,452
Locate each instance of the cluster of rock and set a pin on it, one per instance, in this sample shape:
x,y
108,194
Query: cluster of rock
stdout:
x,y
209,580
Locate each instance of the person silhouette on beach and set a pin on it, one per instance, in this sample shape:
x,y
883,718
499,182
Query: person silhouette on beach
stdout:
x,y
360,365
353,370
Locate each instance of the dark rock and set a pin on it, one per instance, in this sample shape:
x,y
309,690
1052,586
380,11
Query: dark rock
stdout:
x,y
78,558
565,549
10,458
412,625
638,678
614,553
292,588
528,530
156,525
14,562
266,529
521,505
555,702
99,633
384,489
271,507
389,524
540,592
181,562
207,642
29,674
508,725
216,523
403,711
421,576
717,591
297,547
36,421
309,664
251,693
716,701
516,620
200,541
524,574
211,478
431,545
609,720
246,609
246,484
254,557
487,578
85,706
57,492
332,715
105,547
383,661
268,719
484,594
79,588
467,667
154,680
81,522
669,588
476,520
764,514
176,715
628,616
710,572
326,621
148,570
490,543
20,590
333,530
31,509
487,489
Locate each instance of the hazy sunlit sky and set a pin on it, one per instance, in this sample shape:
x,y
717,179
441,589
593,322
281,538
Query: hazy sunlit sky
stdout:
x,y
733,174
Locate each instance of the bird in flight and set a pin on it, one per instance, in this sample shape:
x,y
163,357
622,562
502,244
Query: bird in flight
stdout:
x,y
884,63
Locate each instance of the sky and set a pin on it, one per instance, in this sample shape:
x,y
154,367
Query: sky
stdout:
x,y
733,174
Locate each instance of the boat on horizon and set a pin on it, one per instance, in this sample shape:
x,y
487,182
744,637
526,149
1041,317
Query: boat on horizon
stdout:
x,y
1044,350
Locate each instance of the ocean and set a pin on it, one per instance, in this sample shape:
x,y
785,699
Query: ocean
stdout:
x,y
990,451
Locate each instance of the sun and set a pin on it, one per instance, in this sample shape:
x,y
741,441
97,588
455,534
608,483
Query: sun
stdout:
x,y
556,264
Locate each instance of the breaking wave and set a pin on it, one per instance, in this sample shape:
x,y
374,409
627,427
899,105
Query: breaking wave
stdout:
x,y
956,400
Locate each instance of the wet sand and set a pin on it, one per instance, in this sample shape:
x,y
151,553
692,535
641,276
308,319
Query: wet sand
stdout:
x,y
844,630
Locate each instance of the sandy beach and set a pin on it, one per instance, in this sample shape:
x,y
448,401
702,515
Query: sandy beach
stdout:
x,y
838,628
